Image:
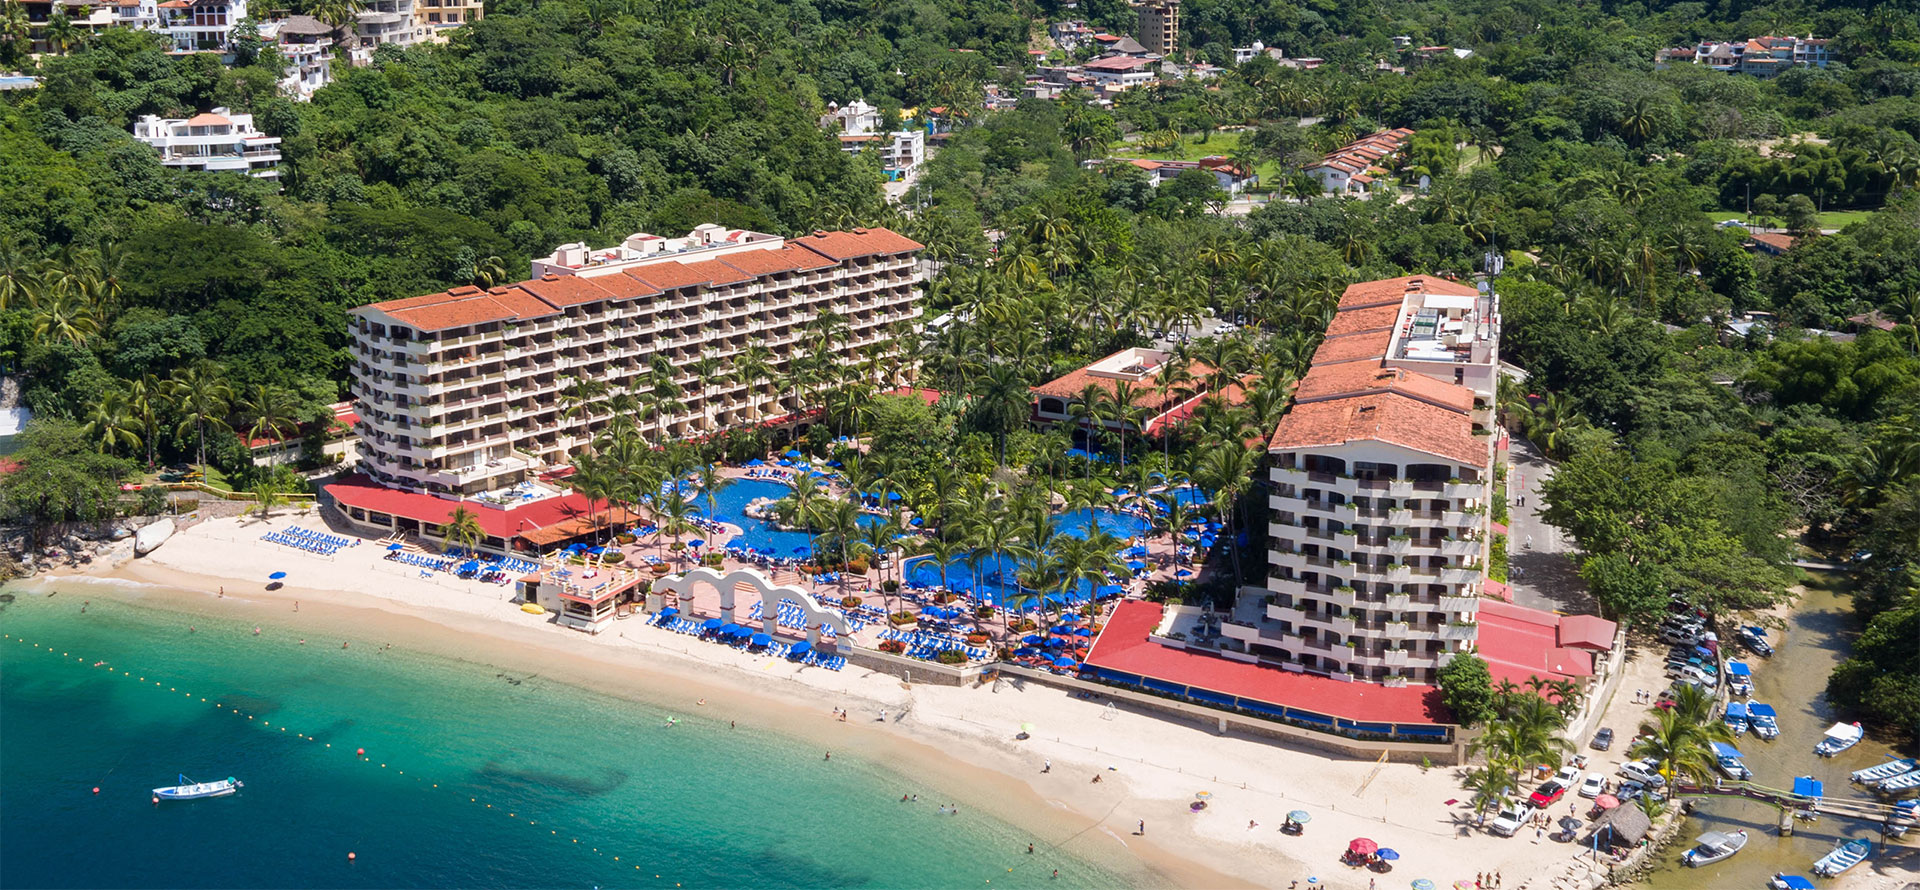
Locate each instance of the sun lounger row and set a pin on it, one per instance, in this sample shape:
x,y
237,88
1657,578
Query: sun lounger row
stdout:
x,y
299,543
420,560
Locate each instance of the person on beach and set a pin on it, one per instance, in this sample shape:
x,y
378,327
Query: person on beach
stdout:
x,y
1047,767
1029,849
1251,825
1143,828
828,757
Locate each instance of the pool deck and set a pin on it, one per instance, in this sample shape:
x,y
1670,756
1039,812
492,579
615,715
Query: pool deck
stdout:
x,y
868,588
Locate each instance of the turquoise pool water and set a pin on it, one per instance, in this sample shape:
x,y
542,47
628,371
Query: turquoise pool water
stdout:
x,y
998,575
730,505
694,805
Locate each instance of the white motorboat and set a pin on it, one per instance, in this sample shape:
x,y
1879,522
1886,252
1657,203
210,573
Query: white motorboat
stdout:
x,y
1728,760
1839,737
188,789
1847,855
1883,771
1763,721
1739,678
1736,718
1714,847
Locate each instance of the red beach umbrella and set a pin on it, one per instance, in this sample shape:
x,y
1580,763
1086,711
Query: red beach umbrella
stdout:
x,y
1606,801
1362,847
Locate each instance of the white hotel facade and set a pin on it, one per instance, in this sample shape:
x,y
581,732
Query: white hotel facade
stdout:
x,y
459,393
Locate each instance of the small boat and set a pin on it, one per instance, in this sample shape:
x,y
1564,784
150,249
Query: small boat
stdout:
x,y
188,789
1728,760
1763,721
1790,882
1736,718
1839,737
1714,847
1755,639
1903,817
1847,855
1887,770
1901,782
533,608
1739,678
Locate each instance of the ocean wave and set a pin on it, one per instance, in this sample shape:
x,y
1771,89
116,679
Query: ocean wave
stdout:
x,y
58,583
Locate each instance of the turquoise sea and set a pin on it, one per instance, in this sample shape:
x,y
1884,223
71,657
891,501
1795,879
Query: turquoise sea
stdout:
x,y
473,777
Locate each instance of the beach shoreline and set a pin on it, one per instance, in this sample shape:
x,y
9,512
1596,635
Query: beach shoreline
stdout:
x,y
1152,766
677,679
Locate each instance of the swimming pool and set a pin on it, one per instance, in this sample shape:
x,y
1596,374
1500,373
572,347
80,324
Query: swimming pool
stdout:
x,y
730,506
999,574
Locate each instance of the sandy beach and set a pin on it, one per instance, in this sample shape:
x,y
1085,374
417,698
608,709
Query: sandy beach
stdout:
x,y
1151,766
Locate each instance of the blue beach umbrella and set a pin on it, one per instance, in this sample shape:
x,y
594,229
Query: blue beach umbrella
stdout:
x,y
697,542
1109,590
756,462
1136,565
760,639
393,547
1064,662
710,624
1422,884
793,453
1034,640
1182,573
1387,853
1082,632
276,576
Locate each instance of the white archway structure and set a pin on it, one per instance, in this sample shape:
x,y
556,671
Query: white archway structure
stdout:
x,y
770,596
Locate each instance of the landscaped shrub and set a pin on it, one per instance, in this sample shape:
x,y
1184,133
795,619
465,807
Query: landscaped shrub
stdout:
x,y
849,601
894,646
612,558
857,566
890,585
976,639
951,656
902,618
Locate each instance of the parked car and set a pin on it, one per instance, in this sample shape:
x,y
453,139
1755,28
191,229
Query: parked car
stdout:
x,y
1568,776
1629,792
1593,785
1681,636
1603,739
1513,814
1644,771
1547,795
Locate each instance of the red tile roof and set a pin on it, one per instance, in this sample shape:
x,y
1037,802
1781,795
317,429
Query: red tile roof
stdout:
x,y
1354,347
463,306
1395,290
1519,642
207,119
858,243
1123,646
1353,378
773,262
1117,63
1363,319
360,491
1070,385
567,290
466,306
1381,417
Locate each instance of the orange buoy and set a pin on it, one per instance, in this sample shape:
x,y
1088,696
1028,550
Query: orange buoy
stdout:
x,y
350,857
156,800
360,752
96,789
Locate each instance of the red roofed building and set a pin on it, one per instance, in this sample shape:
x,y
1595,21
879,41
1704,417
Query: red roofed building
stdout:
x,y
1142,372
1136,648
461,392
1379,482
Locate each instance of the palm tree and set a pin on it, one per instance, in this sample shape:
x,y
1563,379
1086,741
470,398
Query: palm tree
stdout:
x,y
146,398
943,550
878,538
273,410
336,13
462,530
60,33
201,394
488,271
111,422
1489,786
267,495
1227,471
674,515
1680,745
712,481
62,313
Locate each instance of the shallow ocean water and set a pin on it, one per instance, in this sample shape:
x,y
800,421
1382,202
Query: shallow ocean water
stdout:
x,y
574,778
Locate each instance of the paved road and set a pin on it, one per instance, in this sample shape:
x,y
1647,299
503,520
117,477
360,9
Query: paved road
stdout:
x,y
1541,571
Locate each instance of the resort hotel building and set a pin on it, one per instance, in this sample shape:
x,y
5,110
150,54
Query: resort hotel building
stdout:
x,y
461,395
1379,482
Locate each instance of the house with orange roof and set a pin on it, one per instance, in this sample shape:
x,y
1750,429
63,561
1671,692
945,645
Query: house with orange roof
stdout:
x,y
1355,168
216,140
1141,372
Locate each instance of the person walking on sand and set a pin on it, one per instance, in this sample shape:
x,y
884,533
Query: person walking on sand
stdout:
x,y
1047,766
1143,828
